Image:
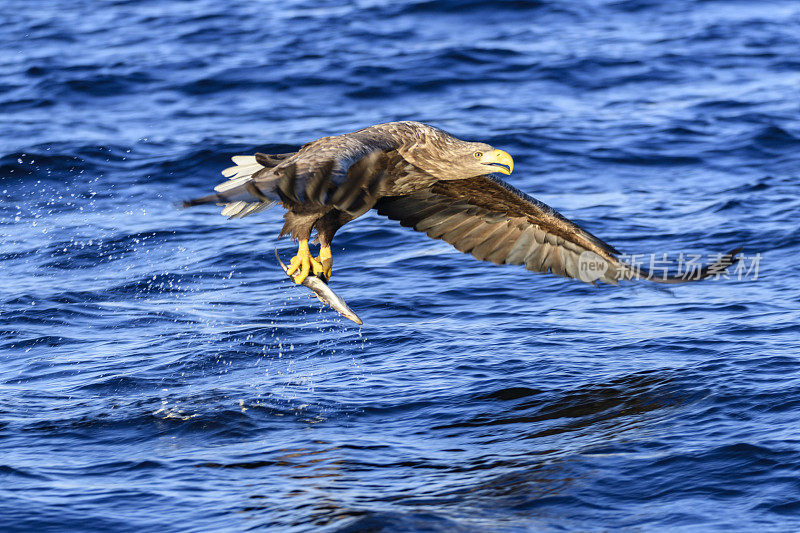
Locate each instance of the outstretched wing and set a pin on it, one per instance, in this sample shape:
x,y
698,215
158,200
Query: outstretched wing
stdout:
x,y
345,172
322,172
493,221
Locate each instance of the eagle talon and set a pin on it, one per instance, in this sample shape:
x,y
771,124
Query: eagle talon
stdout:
x,y
303,264
325,261
319,270
294,264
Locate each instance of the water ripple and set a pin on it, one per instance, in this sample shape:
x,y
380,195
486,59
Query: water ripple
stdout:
x,y
156,359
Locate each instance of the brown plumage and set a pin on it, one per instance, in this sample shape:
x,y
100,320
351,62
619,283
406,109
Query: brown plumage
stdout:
x,y
427,180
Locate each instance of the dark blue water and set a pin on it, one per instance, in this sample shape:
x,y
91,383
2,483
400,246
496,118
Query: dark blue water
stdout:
x,y
158,373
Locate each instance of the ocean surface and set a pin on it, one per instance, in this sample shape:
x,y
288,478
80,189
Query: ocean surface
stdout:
x,y
158,372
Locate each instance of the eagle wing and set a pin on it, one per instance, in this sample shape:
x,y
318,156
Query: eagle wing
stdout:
x,y
332,171
493,221
346,172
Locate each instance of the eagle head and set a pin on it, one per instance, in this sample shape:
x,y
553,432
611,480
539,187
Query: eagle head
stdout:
x,y
448,157
481,158
464,159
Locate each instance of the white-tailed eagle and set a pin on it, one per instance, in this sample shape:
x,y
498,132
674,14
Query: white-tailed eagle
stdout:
x,y
427,180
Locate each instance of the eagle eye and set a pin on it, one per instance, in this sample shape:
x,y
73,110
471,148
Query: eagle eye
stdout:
x,y
478,155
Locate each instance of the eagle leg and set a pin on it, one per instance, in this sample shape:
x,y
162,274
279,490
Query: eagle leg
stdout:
x,y
304,264
326,260
326,227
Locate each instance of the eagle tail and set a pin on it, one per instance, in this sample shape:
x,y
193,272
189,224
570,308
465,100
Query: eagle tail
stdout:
x,y
240,194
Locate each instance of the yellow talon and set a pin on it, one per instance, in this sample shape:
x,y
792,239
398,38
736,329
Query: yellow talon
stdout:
x,y
294,264
303,264
325,261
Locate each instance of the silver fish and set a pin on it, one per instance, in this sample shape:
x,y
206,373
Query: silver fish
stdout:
x,y
324,293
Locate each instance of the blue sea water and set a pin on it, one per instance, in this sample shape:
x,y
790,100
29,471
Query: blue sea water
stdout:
x,y
159,373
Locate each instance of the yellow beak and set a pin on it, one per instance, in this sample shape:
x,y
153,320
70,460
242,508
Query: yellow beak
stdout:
x,y
499,160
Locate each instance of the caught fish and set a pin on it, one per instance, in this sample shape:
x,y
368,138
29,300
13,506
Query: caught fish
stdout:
x,y
324,293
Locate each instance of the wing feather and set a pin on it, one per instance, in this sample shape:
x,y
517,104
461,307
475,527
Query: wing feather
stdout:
x,y
536,259
455,234
450,224
503,246
445,215
469,241
521,247
495,239
495,222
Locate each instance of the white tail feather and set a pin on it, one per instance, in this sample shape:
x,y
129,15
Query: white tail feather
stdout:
x,y
240,174
230,171
231,184
233,208
242,209
241,170
244,160
248,170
